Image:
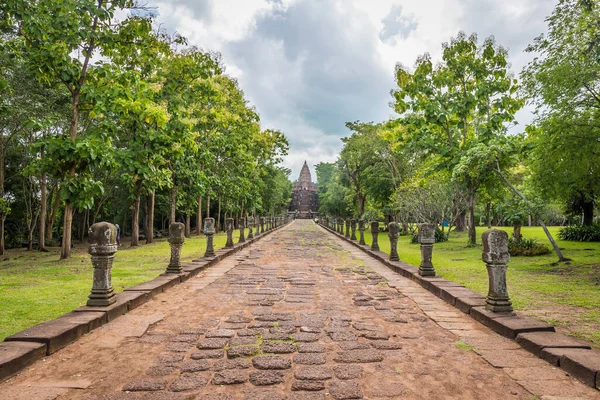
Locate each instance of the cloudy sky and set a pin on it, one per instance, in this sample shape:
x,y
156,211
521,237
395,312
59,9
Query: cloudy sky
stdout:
x,y
308,66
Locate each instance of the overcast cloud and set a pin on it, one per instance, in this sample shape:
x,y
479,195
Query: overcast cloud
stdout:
x,y
309,66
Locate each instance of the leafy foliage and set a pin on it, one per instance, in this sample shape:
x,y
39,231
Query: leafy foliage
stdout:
x,y
580,233
526,247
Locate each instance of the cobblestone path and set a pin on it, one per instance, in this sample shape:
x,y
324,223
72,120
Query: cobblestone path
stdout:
x,y
300,315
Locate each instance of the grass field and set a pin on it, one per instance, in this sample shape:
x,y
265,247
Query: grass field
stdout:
x,y
35,287
566,295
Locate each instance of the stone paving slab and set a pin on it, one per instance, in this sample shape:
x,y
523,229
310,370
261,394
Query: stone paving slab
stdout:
x,y
353,329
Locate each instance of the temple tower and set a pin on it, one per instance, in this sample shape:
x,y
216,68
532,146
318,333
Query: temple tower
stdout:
x,y
305,200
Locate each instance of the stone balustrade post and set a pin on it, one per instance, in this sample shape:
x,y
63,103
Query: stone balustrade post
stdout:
x,y
340,226
496,257
361,230
250,222
229,226
176,239
262,225
209,231
393,233
103,246
242,226
352,229
426,238
375,234
347,228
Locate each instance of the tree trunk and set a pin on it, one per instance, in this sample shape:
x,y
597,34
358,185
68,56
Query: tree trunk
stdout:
x,y
207,206
43,212
2,216
517,233
588,212
361,204
488,216
150,219
458,216
218,224
135,216
188,226
471,207
199,217
68,218
173,204
52,215
66,236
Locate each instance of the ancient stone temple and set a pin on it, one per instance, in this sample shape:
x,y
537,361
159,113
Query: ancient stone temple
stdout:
x,y
304,195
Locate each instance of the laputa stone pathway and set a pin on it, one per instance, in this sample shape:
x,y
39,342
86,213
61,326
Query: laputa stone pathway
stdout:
x,y
298,315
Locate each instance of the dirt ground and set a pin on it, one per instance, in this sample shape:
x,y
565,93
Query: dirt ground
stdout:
x,y
298,315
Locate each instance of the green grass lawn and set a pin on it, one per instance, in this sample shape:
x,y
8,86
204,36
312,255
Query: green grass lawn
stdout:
x,y
566,295
36,287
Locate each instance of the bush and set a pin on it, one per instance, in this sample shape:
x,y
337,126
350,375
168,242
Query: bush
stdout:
x,y
580,233
439,236
526,247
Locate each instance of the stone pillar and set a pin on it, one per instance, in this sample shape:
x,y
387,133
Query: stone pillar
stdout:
x,y
103,246
242,226
347,228
361,230
209,231
176,239
496,257
352,229
250,222
375,234
262,225
426,239
393,233
229,229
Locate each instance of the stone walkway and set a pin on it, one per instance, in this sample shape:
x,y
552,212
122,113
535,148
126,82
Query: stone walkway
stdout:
x,y
299,315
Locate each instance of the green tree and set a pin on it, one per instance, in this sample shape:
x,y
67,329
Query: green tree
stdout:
x,y
563,82
465,101
58,40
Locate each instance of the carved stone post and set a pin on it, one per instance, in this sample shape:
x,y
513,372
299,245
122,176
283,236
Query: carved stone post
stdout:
x,y
250,222
347,228
352,229
375,234
229,230
340,228
176,239
103,246
209,231
496,257
393,233
426,239
242,226
262,225
361,230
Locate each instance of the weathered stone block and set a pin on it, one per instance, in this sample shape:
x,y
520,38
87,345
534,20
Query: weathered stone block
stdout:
x,y
14,356
535,342
60,332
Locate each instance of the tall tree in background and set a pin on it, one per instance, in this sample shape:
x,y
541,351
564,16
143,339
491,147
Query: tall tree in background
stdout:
x,y
563,82
58,40
467,100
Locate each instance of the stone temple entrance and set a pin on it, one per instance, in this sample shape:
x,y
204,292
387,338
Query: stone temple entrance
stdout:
x,y
305,201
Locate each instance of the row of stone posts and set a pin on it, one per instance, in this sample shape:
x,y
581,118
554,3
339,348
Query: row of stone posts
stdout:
x,y
495,253
103,246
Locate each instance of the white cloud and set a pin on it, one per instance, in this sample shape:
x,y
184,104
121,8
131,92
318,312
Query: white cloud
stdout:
x,y
311,65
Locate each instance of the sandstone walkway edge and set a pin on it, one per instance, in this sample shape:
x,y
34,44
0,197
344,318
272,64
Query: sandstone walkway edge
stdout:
x,y
574,356
24,348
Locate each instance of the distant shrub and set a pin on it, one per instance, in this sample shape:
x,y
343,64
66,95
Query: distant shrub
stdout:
x,y
580,233
439,236
526,247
